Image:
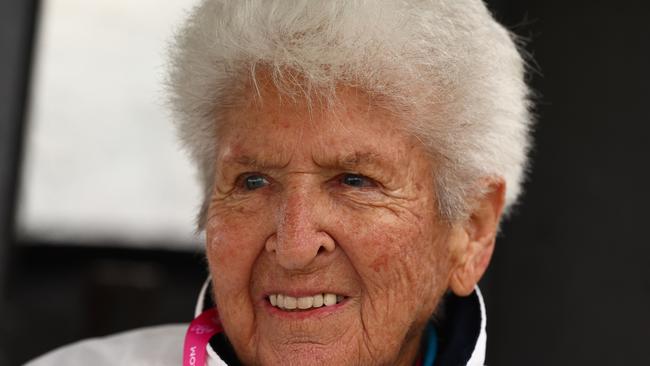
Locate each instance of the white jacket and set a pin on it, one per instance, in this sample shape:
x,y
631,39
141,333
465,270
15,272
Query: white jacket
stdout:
x,y
163,345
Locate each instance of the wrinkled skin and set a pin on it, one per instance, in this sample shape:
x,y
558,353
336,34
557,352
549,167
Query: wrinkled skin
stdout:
x,y
343,202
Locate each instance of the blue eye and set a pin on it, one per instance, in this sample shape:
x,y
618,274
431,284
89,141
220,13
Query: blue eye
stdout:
x,y
357,180
255,181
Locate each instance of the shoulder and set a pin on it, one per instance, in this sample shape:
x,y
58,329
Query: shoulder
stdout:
x,y
160,345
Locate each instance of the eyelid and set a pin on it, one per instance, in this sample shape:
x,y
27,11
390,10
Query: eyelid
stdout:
x,y
241,178
372,182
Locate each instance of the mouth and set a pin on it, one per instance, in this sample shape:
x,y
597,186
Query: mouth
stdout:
x,y
304,303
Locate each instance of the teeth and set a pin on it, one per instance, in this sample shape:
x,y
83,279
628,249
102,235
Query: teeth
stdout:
x,y
318,301
329,299
290,302
307,302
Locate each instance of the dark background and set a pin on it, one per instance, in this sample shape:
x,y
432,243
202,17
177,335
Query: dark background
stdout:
x,y
570,280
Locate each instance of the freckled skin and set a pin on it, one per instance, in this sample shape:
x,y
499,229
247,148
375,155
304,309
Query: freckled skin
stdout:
x,y
381,246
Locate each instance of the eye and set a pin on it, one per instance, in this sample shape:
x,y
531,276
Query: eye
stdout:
x,y
357,180
252,182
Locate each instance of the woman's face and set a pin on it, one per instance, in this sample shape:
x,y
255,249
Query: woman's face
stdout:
x,y
322,235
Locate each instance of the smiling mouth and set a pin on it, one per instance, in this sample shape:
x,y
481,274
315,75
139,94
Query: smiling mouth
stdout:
x,y
290,303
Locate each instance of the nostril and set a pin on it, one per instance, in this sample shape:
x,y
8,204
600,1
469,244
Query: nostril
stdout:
x,y
321,249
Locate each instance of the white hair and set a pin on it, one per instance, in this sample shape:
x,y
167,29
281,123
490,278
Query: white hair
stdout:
x,y
444,67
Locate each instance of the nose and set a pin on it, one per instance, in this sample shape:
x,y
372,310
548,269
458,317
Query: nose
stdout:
x,y
300,236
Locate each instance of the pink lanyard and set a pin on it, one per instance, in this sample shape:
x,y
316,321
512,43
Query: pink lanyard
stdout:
x,y
198,335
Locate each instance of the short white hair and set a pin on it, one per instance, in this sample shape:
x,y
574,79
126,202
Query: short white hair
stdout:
x,y
445,67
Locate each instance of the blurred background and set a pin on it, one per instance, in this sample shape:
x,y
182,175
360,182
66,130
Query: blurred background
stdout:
x,y
97,201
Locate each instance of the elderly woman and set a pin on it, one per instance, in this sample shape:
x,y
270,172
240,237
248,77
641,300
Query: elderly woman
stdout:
x,y
356,159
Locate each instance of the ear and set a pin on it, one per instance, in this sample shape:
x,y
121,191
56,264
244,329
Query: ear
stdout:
x,y
473,240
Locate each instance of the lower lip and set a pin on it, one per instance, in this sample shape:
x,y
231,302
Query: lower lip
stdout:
x,y
320,312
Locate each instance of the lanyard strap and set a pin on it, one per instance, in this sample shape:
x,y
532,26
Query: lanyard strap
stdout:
x,y
201,329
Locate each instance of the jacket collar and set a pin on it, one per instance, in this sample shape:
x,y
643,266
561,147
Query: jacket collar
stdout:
x,y
461,329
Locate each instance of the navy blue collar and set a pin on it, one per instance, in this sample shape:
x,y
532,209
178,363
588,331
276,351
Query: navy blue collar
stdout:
x,y
458,328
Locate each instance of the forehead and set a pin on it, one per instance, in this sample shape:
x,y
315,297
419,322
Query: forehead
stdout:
x,y
351,132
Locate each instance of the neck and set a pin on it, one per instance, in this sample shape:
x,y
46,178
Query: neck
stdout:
x,y
410,352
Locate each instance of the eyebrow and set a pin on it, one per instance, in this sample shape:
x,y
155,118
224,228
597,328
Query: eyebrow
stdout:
x,y
358,161
255,163
347,161
357,158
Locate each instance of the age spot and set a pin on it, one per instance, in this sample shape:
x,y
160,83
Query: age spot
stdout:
x,y
380,263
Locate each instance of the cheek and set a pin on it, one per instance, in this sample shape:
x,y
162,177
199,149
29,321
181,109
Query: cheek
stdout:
x,y
404,259
234,240
233,245
402,264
